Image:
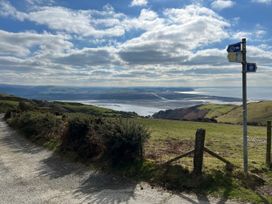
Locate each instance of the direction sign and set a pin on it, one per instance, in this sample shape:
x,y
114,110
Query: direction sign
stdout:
x,y
234,47
235,57
251,67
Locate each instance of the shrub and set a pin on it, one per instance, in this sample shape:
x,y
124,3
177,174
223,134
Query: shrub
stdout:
x,y
7,115
26,106
81,137
35,124
124,140
5,106
116,141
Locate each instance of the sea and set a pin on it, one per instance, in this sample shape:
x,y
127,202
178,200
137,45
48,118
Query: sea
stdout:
x,y
253,93
148,108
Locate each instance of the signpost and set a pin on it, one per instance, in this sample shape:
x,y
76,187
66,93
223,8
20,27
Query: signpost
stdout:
x,y
237,53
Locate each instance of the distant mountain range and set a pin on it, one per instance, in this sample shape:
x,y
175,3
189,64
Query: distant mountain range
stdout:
x,y
107,93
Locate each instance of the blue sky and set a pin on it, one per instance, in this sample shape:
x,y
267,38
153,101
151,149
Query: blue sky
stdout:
x,y
132,42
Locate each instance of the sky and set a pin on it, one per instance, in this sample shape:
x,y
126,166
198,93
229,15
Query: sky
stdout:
x,y
133,42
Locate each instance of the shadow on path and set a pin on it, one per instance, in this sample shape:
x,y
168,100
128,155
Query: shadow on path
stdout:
x,y
63,175
15,141
101,188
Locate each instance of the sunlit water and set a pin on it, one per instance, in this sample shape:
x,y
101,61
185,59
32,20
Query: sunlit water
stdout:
x,y
254,93
139,109
144,108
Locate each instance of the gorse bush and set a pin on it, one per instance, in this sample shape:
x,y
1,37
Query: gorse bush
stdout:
x,y
36,124
6,106
124,140
80,137
26,106
117,141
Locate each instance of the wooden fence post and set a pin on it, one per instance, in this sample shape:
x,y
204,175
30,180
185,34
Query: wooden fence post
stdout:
x,y
268,144
199,151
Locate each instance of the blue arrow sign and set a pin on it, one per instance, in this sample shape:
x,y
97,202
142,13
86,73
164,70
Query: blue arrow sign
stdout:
x,y
234,47
251,67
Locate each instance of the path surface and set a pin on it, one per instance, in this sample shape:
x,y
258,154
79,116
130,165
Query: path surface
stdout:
x,y
31,174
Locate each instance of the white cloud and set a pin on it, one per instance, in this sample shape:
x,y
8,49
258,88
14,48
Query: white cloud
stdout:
x,y
28,43
222,4
260,56
139,2
91,23
40,2
78,22
33,58
104,56
6,9
241,34
256,34
147,20
182,31
263,1
211,57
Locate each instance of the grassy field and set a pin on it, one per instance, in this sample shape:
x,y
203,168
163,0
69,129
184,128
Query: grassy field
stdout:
x,y
258,113
170,138
216,110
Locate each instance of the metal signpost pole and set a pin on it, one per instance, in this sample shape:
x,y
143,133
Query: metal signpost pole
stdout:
x,y
237,53
244,73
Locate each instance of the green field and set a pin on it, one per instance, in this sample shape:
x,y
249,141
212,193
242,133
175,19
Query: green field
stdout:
x,y
258,113
172,138
216,110
224,139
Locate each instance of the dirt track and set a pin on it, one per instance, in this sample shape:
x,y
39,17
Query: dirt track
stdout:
x,y
31,174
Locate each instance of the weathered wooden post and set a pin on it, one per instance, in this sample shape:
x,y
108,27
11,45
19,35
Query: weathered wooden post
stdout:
x,y
268,144
199,151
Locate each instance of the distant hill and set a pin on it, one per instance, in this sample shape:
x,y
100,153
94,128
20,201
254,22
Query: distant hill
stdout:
x,y
258,113
10,102
92,93
154,94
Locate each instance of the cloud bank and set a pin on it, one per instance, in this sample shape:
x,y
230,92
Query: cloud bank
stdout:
x,y
174,47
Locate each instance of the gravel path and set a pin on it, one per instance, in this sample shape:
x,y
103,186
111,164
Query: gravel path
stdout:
x,y
31,174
